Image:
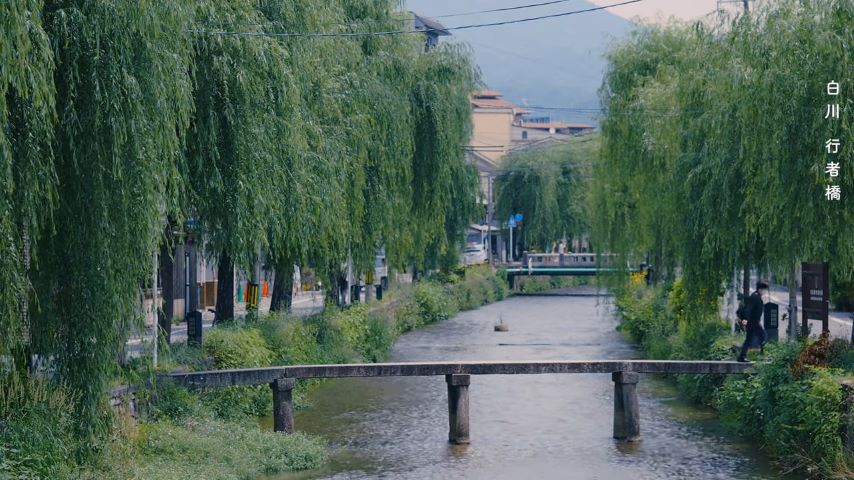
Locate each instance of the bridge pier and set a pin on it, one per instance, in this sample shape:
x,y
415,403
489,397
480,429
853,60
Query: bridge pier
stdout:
x,y
283,407
458,408
626,411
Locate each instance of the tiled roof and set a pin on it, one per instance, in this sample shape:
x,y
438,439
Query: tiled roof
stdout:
x,y
428,24
491,103
487,94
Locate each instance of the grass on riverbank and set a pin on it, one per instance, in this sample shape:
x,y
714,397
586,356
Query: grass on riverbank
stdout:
x,y
793,406
538,284
214,434
206,448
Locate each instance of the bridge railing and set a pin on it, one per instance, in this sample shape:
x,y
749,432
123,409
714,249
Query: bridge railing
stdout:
x,y
624,374
565,259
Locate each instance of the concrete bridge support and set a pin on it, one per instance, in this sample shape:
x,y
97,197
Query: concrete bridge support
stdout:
x,y
283,406
458,408
626,411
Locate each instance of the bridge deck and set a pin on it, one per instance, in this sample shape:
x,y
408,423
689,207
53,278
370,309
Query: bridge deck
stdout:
x,y
564,271
258,376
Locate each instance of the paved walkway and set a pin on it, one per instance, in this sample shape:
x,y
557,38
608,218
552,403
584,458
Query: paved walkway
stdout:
x,y
839,323
304,304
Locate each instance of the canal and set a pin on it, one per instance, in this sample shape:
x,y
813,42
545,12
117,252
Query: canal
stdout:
x,y
553,426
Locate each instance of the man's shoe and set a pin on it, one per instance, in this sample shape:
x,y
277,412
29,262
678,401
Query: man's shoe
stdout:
x,y
743,360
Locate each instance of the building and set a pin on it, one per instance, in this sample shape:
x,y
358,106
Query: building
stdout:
x,y
536,129
498,129
432,29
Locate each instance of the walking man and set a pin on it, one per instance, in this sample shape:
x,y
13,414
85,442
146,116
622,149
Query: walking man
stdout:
x,y
751,320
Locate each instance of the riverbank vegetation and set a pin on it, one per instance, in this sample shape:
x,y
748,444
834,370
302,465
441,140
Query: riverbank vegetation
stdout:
x,y
793,406
714,162
714,146
215,434
126,129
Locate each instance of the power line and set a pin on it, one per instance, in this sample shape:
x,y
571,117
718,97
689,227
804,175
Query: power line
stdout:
x,y
401,32
506,9
372,20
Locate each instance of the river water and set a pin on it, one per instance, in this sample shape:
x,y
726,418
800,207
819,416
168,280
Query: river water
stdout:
x,y
547,426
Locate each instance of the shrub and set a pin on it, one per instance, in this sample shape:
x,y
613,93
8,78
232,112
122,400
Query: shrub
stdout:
x,y
36,430
379,338
294,342
408,315
645,317
499,285
237,348
173,402
353,324
433,303
467,296
333,346
798,419
534,285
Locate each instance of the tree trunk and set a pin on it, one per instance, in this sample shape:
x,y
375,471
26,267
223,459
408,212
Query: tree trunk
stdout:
x,y
793,303
191,279
167,281
281,298
658,268
224,289
745,282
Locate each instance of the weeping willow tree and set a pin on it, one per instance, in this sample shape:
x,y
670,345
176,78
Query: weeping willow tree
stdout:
x,y
633,185
120,119
356,122
444,186
308,199
28,181
384,124
375,113
714,144
246,144
549,188
122,95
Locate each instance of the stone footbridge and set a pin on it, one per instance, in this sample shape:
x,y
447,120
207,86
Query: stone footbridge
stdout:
x,y
624,373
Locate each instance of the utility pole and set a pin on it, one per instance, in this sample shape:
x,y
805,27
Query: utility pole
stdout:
x,y
489,209
746,5
511,243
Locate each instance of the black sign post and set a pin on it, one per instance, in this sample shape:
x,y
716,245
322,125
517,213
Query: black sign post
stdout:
x,y
771,321
815,288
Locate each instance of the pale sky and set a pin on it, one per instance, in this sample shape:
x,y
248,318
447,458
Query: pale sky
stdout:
x,y
652,10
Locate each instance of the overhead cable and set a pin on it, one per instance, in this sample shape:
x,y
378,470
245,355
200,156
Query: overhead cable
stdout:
x,y
400,32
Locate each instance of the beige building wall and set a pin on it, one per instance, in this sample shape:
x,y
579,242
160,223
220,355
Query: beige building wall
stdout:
x,y
492,132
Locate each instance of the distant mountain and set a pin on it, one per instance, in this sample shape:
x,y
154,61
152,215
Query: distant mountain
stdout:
x,y
557,62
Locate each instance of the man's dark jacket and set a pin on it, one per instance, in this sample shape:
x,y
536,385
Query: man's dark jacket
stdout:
x,y
753,312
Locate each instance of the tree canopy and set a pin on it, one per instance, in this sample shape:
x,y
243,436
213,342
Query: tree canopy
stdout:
x,y
549,188
119,118
713,144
